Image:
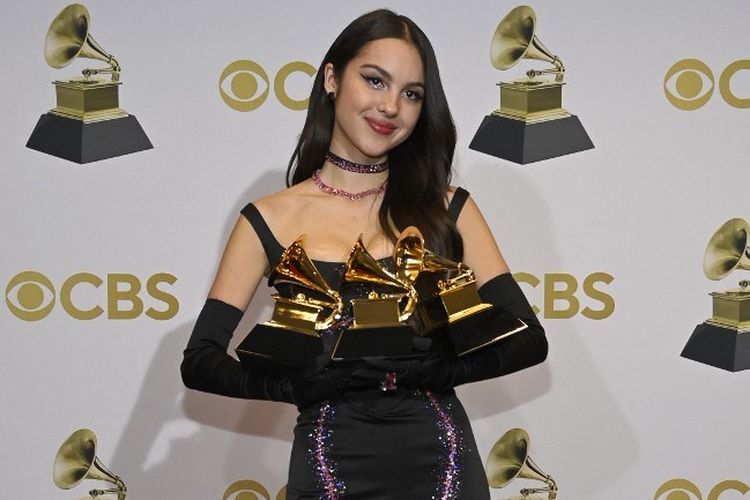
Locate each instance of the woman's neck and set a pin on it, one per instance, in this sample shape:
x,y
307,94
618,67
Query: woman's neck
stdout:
x,y
350,181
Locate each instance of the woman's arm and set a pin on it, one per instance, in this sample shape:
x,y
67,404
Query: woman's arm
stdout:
x,y
241,268
481,252
497,287
206,366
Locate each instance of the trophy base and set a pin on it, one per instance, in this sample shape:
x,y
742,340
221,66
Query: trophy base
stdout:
x,y
527,142
276,349
383,341
83,142
718,346
482,329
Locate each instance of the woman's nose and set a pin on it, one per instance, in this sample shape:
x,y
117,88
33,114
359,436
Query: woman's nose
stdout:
x,y
388,104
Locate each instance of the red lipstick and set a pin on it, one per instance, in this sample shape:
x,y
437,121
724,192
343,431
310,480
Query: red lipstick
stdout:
x,y
383,128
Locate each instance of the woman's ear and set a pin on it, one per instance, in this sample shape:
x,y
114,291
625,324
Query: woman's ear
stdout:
x,y
330,83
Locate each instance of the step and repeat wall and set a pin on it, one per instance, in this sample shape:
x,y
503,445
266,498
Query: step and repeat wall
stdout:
x,y
106,264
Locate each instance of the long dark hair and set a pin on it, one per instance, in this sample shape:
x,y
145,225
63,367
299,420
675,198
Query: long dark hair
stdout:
x,y
420,167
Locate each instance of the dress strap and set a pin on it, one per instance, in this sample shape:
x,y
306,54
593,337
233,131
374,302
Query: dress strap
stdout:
x,y
271,245
457,203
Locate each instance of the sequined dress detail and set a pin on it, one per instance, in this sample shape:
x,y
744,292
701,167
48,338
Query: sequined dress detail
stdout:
x,y
405,444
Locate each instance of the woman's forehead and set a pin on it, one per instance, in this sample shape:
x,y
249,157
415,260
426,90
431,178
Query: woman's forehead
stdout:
x,y
397,57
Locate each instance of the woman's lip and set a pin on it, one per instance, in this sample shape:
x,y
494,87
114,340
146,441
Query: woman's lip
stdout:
x,y
383,128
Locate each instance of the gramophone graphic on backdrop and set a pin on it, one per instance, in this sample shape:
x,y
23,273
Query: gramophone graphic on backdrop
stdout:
x,y
87,124
723,340
531,124
509,460
76,460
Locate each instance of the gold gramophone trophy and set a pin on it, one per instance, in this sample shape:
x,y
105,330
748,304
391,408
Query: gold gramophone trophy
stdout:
x,y
87,124
76,460
292,337
723,340
531,124
449,296
509,459
381,321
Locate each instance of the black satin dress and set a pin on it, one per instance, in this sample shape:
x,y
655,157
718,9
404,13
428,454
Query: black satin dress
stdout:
x,y
375,445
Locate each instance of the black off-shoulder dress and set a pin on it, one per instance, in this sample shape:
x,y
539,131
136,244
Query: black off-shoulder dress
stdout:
x,y
403,444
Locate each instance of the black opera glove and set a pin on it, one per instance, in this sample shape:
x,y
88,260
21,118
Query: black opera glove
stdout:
x,y
434,374
207,367
516,352
319,382
511,354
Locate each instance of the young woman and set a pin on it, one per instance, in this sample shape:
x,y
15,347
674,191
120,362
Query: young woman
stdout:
x,y
374,157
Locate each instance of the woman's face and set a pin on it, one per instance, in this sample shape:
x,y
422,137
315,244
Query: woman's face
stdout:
x,y
378,100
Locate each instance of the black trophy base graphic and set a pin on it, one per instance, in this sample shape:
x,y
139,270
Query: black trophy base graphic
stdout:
x,y
82,142
483,329
523,143
273,349
385,341
720,347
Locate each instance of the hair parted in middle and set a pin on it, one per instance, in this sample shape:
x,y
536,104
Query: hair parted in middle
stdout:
x,y
420,167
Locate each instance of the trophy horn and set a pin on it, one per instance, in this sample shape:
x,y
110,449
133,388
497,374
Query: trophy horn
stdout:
x,y
509,459
362,267
514,40
728,249
296,268
68,38
408,254
76,460
456,272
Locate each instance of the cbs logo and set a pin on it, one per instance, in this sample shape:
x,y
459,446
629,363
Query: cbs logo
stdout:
x,y
239,88
31,296
561,296
689,84
247,489
678,489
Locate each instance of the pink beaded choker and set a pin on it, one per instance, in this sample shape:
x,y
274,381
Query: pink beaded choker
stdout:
x,y
346,194
356,167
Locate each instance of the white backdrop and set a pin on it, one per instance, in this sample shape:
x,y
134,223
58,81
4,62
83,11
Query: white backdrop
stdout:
x,y
614,413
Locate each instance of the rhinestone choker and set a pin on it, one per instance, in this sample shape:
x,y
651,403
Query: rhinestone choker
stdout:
x,y
346,194
356,167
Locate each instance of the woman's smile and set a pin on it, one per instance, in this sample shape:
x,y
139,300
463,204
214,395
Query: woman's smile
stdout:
x,y
382,87
381,127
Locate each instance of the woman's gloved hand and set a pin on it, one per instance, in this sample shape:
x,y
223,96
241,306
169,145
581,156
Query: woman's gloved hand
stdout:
x,y
319,382
435,374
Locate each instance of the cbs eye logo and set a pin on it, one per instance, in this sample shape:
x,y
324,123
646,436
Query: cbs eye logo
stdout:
x,y
239,85
682,489
248,489
689,84
31,296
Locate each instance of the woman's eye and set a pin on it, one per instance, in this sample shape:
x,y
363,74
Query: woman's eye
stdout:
x,y
374,81
413,94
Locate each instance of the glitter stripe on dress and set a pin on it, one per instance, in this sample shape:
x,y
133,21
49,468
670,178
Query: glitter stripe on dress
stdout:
x,y
449,463
319,454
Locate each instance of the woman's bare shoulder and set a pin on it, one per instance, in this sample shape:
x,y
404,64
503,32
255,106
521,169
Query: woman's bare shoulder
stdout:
x,y
279,204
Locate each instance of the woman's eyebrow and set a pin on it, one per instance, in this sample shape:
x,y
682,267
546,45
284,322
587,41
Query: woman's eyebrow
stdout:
x,y
388,75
